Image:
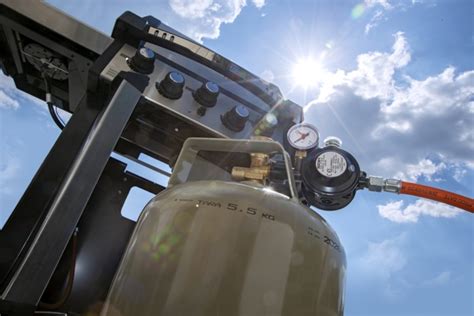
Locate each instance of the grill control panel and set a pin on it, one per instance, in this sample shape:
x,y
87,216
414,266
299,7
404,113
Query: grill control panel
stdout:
x,y
192,91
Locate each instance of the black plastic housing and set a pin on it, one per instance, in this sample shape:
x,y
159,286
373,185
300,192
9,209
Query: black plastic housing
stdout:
x,y
329,193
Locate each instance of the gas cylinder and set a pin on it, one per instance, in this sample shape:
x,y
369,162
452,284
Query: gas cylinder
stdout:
x,y
215,247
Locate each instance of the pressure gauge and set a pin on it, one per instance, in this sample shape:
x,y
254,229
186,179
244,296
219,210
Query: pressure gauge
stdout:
x,y
303,136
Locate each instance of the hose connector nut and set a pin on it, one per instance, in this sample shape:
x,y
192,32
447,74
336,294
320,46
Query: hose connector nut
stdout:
x,y
392,185
375,184
379,184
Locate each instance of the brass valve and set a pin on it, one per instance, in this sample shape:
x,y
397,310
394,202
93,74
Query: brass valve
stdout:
x,y
259,166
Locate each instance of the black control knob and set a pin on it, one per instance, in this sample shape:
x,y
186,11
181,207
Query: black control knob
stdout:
x,y
236,118
172,85
143,61
207,94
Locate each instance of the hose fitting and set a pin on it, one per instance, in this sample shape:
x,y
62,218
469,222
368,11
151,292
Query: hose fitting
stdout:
x,y
379,184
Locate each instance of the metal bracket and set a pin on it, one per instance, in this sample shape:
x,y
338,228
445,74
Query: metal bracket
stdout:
x,y
31,278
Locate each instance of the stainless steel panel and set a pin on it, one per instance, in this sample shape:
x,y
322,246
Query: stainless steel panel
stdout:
x,y
186,107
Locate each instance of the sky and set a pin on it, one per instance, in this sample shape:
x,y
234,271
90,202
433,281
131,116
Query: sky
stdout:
x,y
394,79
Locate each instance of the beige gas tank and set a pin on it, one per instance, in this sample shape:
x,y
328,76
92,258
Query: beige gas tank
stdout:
x,y
225,248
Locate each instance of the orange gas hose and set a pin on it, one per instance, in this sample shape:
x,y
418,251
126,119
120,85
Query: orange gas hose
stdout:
x,y
439,195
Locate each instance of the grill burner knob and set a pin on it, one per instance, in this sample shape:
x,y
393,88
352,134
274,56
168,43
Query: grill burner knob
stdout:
x,y
236,118
206,96
143,61
172,85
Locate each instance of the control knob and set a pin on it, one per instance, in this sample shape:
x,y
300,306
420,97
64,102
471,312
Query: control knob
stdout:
x,y
206,96
236,118
143,61
172,85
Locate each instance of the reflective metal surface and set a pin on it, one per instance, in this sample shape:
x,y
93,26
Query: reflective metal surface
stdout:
x,y
228,249
176,77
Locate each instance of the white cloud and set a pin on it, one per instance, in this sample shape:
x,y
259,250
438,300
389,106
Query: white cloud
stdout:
x,y
381,265
393,123
441,279
383,259
259,3
395,212
380,10
6,83
384,3
373,77
12,98
192,9
6,102
374,21
203,18
7,93
9,168
459,174
424,168
435,94
379,15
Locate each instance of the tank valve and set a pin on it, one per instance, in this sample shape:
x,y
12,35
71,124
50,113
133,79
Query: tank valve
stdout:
x,y
259,168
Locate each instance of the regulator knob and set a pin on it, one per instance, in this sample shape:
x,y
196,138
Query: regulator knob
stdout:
x,y
333,141
236,118
172,85
143,61
207,94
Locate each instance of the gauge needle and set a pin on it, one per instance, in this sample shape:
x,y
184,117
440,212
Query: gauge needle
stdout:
x,y
303,136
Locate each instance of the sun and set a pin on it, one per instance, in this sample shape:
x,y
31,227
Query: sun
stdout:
x,y
307,72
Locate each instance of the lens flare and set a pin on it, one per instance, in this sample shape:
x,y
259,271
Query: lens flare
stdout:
x,y
358,11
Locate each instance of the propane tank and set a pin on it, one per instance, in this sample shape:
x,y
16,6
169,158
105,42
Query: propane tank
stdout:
x,y
209,245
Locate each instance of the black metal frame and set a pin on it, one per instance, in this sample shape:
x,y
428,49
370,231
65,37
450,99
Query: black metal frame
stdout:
x,y
34,238
32,277
23,224
103,235
19,231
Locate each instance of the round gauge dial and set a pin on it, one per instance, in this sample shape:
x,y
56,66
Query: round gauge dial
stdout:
x,y
303,136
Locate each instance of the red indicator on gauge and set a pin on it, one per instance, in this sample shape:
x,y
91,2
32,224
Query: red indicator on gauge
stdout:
x,y
303,136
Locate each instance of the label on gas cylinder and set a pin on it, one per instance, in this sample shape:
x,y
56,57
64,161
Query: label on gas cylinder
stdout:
x,y
331,164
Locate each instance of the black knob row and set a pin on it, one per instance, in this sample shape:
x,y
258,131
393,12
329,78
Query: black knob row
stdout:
x,y
172,87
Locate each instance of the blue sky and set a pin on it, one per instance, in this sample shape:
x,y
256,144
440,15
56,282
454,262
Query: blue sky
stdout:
x,y
394,79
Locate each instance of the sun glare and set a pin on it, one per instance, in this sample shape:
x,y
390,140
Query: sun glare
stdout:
x,y
307,72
